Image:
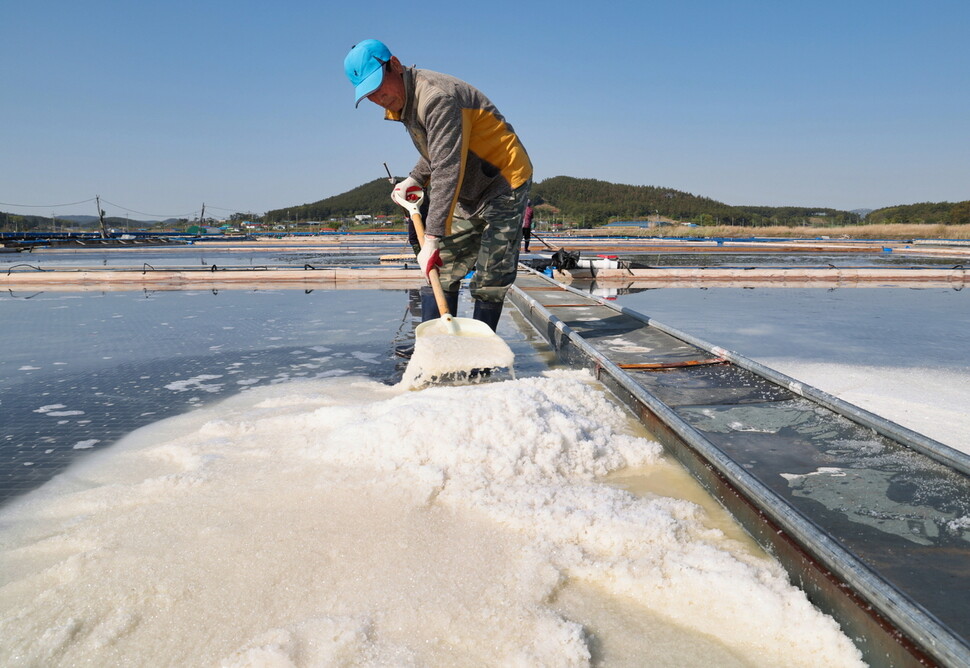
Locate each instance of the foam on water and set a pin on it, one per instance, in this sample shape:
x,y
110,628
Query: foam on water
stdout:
x,y
343,521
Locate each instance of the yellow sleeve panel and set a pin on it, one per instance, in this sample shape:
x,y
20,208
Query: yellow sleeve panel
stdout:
x,y
488,137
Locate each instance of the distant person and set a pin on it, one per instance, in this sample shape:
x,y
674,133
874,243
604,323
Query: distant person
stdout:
x,y
527,225
477,173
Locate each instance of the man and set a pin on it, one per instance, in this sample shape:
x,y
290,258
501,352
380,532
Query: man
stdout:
x,y
473,165
527,225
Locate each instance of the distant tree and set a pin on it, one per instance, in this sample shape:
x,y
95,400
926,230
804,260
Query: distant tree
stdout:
x,y
960,213
923,213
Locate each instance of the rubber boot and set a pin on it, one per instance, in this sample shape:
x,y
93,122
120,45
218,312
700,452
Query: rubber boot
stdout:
x,y
489,313
429,305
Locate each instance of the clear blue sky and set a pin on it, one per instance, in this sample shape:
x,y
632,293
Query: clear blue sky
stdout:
x,y
159,107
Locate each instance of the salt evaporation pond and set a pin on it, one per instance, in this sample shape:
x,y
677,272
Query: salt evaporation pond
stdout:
x,y
80,370
901,353
294,507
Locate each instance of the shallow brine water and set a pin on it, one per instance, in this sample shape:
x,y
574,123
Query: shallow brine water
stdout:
x,y
234,479
327,252
901,353
364,251
780,259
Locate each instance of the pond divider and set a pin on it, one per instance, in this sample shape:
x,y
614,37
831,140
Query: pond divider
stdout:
x,y
208,277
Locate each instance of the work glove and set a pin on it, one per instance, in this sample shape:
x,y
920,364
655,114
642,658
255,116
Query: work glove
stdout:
x,y
408,193
430,256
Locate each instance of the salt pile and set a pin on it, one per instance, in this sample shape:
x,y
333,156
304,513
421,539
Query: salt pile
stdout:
x,y
345,522
459,346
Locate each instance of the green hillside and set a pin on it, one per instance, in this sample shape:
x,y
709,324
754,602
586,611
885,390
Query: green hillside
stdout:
x,y
597,202
12,222
932,213
586,202
372,198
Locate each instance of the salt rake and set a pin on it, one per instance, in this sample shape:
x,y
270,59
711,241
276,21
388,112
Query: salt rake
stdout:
x,y
448,348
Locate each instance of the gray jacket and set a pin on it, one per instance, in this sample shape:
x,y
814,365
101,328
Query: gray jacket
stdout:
x,y
469,153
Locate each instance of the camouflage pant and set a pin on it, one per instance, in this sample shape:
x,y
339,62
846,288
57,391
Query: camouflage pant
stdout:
x,y
487,242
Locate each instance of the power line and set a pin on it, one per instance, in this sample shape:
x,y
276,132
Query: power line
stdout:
x,y
142,213
222,208
45,206
123,208
248,212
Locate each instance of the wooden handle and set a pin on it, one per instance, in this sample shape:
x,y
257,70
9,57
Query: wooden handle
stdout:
x,y
439,292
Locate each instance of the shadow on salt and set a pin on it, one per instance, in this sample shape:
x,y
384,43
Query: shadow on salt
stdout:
x,y
344,520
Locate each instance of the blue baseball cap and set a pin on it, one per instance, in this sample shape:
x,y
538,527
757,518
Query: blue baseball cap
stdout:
x,y
364,66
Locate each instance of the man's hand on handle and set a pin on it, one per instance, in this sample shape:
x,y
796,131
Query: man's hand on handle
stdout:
x,y
408,193
430,255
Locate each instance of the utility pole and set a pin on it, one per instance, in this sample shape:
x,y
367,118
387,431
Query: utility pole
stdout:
x,y
104,230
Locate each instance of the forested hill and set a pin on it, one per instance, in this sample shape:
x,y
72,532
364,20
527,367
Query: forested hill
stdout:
x,y
373,198
599,202
935,213
583,201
